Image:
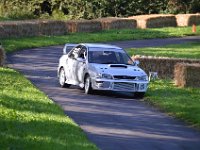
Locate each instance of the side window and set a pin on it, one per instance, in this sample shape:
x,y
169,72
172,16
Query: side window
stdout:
x,y
82,53
74,53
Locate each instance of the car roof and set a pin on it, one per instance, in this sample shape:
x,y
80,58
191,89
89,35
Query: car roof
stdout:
x,y
95,45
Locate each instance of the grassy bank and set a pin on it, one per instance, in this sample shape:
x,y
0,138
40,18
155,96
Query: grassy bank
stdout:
x,y
30,120
187,50
183,103
13,44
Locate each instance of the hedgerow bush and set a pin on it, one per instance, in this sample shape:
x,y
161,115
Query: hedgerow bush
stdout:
x,y
75,9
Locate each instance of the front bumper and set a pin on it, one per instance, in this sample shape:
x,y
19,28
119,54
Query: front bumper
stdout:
x,y
120,85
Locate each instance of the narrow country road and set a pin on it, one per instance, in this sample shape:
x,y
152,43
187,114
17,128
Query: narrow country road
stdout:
x,y
111,121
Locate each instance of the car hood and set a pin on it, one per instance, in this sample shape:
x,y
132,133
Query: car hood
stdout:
x,y
118,69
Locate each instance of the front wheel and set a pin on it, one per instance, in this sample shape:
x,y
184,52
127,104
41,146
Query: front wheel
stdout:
x,y
87,87
62,79
139,95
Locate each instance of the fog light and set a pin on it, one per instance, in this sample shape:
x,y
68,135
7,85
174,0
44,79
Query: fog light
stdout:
x,y
102,84
99,83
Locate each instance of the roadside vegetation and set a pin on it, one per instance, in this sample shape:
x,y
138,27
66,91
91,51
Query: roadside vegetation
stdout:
x,y
30,120
187,50
84,9
13,44
183,103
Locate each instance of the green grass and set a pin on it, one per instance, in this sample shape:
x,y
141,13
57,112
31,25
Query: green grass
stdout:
x,y
4,18
183,103
187,50
30,120
13,44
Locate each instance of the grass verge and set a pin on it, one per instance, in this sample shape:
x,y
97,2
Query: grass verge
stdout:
x,y
187,50
30,120
183,103
13,44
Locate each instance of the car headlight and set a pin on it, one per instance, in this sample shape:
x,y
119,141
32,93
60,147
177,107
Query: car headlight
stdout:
x,y
104,76
142,78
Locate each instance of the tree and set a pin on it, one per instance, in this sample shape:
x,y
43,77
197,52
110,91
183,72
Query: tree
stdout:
x,y
89,9
179,6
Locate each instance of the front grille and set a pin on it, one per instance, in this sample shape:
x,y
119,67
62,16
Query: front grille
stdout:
x,y
124,77
106,84
123,86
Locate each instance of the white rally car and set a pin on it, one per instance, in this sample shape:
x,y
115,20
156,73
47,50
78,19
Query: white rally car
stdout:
x,y
101,67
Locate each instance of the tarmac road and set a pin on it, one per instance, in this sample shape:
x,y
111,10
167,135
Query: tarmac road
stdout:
x,y
113,121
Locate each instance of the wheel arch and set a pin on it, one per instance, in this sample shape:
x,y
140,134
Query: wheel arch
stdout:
x,y
86,74
58,73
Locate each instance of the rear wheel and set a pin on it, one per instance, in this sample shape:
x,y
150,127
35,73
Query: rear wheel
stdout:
x,y
62,79
139,95
87,87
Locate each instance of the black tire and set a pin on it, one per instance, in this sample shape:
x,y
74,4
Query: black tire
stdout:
x,y
62,79
139,95
87,85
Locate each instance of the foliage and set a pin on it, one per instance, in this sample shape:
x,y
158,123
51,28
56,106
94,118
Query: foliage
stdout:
x,y
30,120
18,9
88,9
180,102
13,44
183,6
187,50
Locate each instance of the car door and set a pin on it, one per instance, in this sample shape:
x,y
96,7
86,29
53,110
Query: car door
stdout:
x,y
72,65
81,64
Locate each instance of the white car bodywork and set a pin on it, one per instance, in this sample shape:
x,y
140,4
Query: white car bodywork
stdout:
x,y
79,64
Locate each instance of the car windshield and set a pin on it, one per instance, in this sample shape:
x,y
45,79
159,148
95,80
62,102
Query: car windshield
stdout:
x,y
109,57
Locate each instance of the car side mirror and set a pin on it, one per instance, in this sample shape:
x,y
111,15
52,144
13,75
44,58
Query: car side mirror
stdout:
x,y
136,62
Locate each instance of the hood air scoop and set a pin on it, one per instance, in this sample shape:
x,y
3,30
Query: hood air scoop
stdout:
x,y
118,66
